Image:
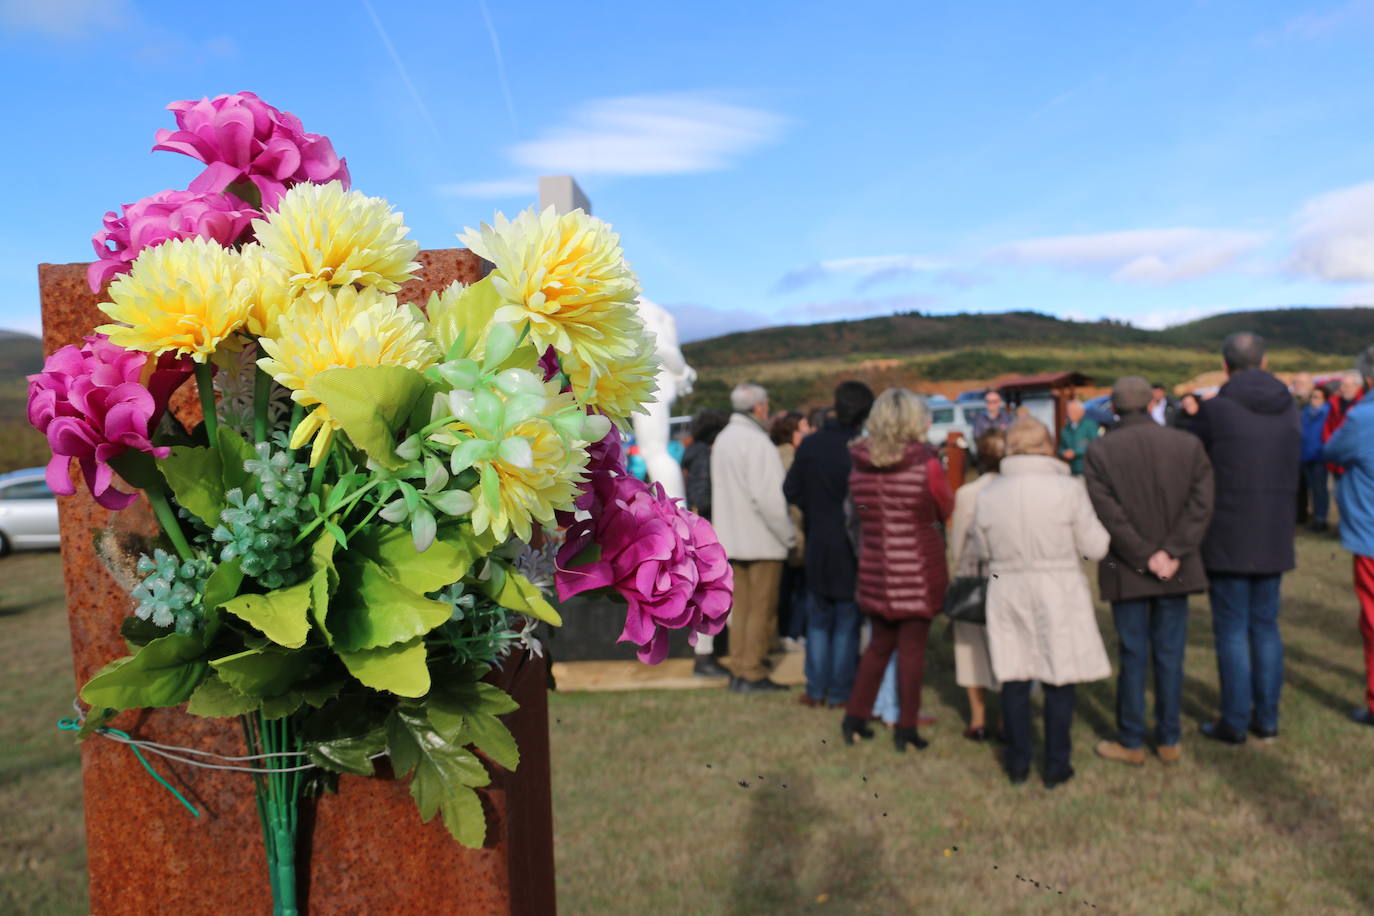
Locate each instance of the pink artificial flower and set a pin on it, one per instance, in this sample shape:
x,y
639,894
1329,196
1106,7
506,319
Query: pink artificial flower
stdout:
x,y
240,137
549,363
664,560
90,404
160,217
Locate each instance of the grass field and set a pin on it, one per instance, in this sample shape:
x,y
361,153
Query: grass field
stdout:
x,y
705,802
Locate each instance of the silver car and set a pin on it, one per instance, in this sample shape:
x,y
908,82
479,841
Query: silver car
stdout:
x,y
28,512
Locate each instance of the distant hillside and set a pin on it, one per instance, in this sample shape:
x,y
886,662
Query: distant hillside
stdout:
x,y
20,354
21,446
1336,331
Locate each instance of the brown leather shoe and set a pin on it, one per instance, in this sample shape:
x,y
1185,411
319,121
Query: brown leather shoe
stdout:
x,y
1112,750
1170,753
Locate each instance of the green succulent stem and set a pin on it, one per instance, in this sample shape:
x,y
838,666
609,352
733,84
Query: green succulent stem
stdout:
x,y
262,400
205,385
167,518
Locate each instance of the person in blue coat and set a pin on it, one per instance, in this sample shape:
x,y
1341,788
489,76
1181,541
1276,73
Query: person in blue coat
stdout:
x,y
1314,471
1352,447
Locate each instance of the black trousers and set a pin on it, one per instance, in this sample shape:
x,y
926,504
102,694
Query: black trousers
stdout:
x,y
1016,719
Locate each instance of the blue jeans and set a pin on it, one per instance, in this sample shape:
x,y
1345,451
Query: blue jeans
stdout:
x,y
1150,628
1315,473
1245,624
832,648
1060,702
888,706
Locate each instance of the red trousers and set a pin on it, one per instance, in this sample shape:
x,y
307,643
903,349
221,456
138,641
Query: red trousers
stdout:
x,y
1364,590
908,637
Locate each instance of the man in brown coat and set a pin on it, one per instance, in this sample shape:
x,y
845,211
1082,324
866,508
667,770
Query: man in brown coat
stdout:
x,y
1151,487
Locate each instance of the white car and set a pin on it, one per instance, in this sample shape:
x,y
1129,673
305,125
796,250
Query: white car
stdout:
x,y
28,512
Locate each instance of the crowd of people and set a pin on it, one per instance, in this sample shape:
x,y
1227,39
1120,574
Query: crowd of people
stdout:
x,y
848,516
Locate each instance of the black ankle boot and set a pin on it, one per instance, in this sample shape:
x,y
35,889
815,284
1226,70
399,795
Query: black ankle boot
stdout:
x,y
853,725
901,737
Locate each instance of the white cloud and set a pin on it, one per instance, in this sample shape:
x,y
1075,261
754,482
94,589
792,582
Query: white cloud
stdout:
x,y
869,270
64,19
1148,256
665,134
1318,25
866,308
1166,318
501,187
1334,239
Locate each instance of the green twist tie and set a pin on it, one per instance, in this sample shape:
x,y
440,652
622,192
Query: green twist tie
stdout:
x,y
73,725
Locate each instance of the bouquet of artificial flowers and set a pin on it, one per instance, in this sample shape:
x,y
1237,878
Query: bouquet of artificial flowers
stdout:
x,y
344,532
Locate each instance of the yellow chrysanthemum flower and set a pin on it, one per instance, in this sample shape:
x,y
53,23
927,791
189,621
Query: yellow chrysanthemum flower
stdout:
x,y
184,296
324,236
534,491
343,329
271,290
621,386
567,276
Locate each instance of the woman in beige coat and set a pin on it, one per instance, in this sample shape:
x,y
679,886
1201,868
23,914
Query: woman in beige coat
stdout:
x,y
972,663
1034,526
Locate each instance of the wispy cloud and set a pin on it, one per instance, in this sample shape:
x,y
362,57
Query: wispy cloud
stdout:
x,y
501,187
1326,22
1334,237
665,134
500,65
401,70
868,270
1147,256
65,19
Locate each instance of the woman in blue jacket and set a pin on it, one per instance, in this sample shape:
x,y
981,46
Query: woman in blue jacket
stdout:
x,y
1313,467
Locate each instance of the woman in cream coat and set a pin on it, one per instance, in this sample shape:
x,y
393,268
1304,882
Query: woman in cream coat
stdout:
x,y
1034,525
972,664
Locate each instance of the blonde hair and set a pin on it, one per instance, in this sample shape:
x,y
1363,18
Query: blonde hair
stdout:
x,y
1028,436
898,418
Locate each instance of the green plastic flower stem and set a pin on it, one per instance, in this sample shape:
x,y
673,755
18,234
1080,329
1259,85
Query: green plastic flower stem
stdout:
x,y
318,471
262,400
278,797
363,524
297,415
206,386
343,508
437,424
157,496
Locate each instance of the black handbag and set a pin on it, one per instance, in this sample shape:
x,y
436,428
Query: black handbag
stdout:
x,y
966,599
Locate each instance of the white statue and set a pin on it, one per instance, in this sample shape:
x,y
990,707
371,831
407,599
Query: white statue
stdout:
x,y
675,379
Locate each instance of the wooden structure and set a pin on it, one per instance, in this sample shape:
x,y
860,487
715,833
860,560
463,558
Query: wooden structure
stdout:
x,y
1062,386
364,850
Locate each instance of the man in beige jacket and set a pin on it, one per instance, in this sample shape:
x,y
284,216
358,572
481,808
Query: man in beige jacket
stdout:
x,y
750,516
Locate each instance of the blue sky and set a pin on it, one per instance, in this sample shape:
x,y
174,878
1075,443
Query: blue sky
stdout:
x,y
767,162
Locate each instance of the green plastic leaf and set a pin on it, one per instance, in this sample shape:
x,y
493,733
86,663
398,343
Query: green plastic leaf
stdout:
x,y
345,734
196,477
139,632
233,452
162,673
371,403
262,673
516,593
215,699
282,706
137,468
222,584
446,561
371,609
398,669
490,735
458,316
324,579
444,775
283,615
95,719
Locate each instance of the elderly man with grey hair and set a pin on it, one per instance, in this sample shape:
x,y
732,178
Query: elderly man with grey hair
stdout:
x,y
1151,487
1352,447
750,517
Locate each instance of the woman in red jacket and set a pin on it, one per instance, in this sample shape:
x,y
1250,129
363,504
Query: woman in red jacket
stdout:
x,y
901,499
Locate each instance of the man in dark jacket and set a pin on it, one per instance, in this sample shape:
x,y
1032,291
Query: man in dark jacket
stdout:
x,y
1253,437
817,484
1151,487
